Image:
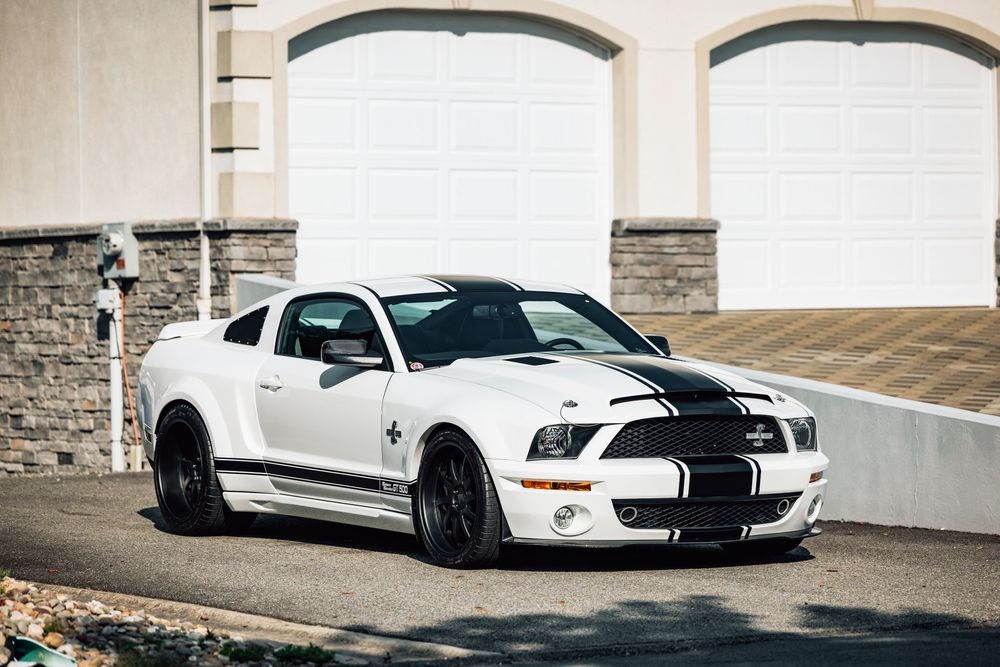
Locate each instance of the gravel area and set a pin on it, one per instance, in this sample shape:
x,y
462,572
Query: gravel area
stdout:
x,y
98,635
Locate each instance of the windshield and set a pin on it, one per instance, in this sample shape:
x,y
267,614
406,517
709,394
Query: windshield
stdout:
x,y
437,329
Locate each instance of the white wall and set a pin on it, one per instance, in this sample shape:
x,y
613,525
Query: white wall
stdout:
x,y
901,463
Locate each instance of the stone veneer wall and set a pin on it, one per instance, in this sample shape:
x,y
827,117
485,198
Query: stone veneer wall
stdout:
x,y
664,265
996,255
54,414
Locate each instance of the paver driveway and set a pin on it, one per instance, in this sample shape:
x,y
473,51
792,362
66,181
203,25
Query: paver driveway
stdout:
x,y
949,356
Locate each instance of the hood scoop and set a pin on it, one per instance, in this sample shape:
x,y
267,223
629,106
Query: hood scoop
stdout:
x,y
533,361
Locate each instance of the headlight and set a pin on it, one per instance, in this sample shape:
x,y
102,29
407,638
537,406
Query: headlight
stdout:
x,y
561,441
804,433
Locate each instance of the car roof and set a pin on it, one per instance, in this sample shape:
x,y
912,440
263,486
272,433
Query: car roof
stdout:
x,y
430,284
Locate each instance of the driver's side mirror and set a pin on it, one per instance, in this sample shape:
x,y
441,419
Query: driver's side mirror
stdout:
x,y
660,342
351,352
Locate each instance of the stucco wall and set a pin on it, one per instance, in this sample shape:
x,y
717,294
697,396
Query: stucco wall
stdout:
x,y
99,111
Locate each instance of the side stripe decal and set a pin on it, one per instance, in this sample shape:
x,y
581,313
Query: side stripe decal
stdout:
x,y
314,476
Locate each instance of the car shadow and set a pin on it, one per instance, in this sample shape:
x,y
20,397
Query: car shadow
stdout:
x,y
515,557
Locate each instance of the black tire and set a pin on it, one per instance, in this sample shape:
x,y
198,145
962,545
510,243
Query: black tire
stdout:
x,y
761,548
456,512
187,487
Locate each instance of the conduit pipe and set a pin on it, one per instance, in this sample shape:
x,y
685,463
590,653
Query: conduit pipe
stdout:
x,y
204,300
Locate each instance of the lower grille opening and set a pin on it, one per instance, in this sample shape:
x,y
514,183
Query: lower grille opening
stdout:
x,y
680,513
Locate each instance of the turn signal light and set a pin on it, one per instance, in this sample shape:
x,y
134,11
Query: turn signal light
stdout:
x,y
815,477
555,486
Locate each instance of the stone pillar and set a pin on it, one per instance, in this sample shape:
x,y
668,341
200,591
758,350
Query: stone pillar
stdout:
x,y
664,265
996,255
53,368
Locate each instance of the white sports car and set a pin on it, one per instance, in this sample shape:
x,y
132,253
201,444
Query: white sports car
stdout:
x,y
473,412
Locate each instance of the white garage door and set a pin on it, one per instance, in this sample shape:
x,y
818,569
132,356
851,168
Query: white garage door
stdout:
x,y
853,173
431,151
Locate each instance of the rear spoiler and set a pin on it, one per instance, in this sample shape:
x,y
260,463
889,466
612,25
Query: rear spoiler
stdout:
x,y
691,395
188,329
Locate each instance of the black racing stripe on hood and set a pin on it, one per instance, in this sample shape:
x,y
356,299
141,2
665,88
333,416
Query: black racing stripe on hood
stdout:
x,y
472,283
661,372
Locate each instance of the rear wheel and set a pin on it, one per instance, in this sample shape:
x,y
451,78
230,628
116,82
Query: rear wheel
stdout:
x,y
187,488
761,548
456,512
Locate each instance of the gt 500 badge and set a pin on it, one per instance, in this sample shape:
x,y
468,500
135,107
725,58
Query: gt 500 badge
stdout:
x,y
398,488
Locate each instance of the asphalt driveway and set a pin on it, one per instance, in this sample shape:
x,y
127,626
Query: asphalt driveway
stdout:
x,y
105,533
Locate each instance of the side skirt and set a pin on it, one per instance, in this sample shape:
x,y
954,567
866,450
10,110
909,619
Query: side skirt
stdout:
x,y
324,510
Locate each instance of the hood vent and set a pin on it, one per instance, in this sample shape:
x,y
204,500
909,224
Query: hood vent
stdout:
x,y
534,361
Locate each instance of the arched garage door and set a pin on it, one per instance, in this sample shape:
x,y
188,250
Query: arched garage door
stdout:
x,y
437,143
853,166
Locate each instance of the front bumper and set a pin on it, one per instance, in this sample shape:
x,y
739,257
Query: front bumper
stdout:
x,y
529,512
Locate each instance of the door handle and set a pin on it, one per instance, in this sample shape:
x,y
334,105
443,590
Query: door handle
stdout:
x,y
271,384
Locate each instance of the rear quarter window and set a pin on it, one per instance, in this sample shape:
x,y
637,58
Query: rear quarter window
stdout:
x,y
246,330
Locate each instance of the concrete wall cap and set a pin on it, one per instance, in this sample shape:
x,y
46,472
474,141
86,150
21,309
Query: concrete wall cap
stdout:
x,y
623,226
183,226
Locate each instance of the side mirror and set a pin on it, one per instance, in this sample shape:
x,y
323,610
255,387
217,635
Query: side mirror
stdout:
x,y
351,352
661,343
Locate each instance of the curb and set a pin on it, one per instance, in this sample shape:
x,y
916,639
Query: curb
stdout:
x,y
266,629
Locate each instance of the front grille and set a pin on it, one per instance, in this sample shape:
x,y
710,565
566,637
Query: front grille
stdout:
x,y
695,436
695,513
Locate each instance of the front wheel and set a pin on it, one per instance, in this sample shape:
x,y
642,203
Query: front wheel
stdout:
x,y
761,548
456,512
187,488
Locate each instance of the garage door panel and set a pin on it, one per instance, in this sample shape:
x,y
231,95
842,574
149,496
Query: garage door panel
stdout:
x,y
555,63
401,194
327,260
951,197
953,261
882,66
880,197
809,129
480,59
325,193
882,186
808,65
484,127
570,196
810,264
402,125
484,195
807,197
496,257
569,262
395,256
954,131
402,56
563,128
322,124
880,263
882,130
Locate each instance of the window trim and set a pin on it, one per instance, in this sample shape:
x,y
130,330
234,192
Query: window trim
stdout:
x,y
340,296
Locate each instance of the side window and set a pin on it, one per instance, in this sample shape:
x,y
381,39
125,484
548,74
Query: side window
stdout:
x,y
246,330
311,322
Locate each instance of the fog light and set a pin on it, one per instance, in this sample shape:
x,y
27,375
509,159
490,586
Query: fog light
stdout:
x,y
814,507
563,518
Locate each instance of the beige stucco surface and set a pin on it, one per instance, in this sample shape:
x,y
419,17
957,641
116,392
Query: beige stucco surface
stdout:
x,y
99,111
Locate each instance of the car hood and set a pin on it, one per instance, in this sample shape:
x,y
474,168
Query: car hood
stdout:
x,y
616,388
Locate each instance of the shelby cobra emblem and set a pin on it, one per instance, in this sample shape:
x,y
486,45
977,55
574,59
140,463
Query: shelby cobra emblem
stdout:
x,y
473,412
758,437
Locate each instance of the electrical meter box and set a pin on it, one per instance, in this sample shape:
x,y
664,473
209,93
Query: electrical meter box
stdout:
x,y
117,252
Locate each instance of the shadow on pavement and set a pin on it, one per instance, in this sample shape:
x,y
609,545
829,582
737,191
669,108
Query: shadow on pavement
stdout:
x,y
515,557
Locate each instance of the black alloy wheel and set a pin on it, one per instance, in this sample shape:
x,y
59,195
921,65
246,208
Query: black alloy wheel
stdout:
x,y
187,488
456,510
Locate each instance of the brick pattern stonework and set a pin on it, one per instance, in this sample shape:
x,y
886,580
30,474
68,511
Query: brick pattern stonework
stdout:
x,y
53,369
996,255
664,265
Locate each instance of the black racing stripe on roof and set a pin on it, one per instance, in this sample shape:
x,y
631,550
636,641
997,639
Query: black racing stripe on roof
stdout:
x,y
472,283
664,373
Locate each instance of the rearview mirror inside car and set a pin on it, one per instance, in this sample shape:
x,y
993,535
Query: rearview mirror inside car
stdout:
x,y
349,352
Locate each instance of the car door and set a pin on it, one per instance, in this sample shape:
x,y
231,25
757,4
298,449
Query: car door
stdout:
x,y
321,422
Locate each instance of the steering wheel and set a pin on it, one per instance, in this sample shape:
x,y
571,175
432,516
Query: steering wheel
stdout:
x,y
563,341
